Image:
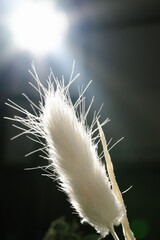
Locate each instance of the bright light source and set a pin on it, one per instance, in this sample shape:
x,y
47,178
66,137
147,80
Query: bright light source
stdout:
x,y
37,27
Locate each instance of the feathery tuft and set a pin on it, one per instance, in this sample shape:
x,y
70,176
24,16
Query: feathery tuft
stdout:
x,y
72,153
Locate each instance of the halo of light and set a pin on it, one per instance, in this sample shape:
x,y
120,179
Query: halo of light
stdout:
x,y
37,27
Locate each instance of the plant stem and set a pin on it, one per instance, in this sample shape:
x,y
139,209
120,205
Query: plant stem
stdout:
x,y
114,235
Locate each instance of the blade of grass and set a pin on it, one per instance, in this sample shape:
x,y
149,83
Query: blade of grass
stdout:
x,y
125,224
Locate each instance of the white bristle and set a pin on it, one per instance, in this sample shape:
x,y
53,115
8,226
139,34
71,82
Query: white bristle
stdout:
x,y
73,154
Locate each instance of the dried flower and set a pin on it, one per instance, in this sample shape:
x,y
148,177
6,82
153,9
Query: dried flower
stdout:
x,y
72,152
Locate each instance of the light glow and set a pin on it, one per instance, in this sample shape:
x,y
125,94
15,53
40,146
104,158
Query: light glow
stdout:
x,y
37,27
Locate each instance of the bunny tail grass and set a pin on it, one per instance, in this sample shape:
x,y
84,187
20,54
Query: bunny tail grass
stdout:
x,y
68,144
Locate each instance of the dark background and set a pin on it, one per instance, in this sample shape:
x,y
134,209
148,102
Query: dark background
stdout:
x,y
117,45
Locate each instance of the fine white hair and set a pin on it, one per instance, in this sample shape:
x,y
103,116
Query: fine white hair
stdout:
x,y
72,152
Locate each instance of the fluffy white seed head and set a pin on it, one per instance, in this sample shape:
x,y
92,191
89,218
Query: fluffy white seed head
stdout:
x,y
72,154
